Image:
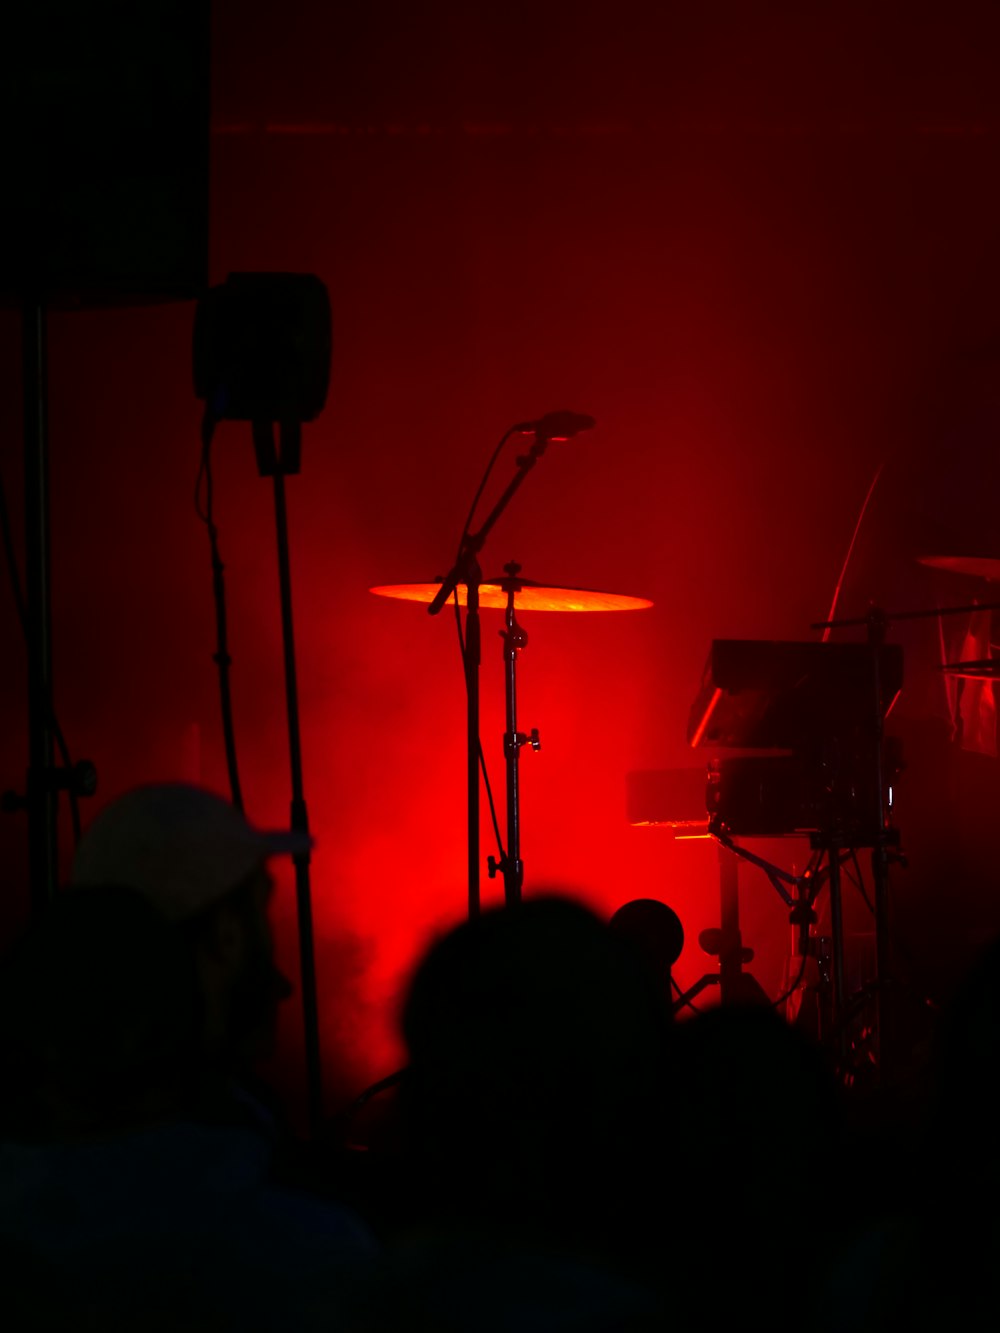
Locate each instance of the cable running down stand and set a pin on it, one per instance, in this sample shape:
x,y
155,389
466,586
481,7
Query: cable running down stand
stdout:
x,y
514,639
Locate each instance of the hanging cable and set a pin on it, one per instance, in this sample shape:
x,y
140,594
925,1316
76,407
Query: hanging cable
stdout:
x,y
776,1004
204,507
482,486
501,851
458,623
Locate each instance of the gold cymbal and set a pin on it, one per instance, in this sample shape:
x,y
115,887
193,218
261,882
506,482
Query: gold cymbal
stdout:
x,y
528,596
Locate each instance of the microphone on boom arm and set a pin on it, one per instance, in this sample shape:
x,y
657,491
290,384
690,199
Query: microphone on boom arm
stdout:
x,y
557,425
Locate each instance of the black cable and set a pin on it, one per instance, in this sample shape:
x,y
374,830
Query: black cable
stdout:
x,y
813,883
776,1004
221,656
681,1003
859,883
10,559
458,624
482,758
899,953
482,486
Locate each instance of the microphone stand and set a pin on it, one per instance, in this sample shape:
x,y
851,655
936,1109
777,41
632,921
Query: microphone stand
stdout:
x,y
466,570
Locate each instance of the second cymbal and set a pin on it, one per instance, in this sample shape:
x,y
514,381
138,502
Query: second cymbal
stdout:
x,y
973,566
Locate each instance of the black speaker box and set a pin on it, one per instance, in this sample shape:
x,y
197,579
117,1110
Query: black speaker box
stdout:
x,y
104,135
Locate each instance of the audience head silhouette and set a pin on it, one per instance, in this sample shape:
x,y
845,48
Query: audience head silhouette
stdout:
x,y
197,859
536,1047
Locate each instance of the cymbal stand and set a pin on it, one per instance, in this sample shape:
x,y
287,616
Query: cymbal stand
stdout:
x,y
883,852
797,891
472,576
466,570
830,849
514,639
737,986
725,941
884,840
834,849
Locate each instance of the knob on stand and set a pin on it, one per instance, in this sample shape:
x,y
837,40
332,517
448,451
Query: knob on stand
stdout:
x,y
514,639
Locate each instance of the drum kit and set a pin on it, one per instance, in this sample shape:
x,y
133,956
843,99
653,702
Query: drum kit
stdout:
x,y
763,692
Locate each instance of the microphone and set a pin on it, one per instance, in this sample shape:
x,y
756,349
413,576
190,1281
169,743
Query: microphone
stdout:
x,y
557,425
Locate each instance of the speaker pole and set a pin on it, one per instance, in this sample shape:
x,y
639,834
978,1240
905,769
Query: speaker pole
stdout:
x,y
42,796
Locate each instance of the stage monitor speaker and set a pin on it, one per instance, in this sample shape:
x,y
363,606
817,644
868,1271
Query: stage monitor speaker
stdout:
x,y
104,134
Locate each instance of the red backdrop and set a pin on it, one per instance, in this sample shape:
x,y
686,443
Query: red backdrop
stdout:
x,y
750,240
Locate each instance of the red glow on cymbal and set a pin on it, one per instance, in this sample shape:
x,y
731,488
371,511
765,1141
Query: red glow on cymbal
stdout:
x,y
527,597
973,566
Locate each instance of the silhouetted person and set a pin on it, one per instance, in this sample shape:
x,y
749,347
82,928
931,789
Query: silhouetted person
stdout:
x,y
932,1262
205,868
756,1118
125,1193
536,1060
100,1020
532,1107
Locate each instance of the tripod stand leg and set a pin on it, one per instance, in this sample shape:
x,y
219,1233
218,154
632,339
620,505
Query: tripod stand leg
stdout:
x,y
730,952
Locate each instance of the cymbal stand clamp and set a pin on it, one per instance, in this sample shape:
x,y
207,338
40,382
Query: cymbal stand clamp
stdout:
x,y
514,640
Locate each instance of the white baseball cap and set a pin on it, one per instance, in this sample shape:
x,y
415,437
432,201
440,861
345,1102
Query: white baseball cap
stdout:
x,y
184,848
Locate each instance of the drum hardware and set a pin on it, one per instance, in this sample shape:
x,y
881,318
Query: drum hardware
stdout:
x,y
654,931
529,596
515,639
695,803
510,593
817,712
986,568
466,573
984,668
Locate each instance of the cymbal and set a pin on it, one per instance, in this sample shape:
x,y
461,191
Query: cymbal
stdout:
x,y
975,566
984,668
528,596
